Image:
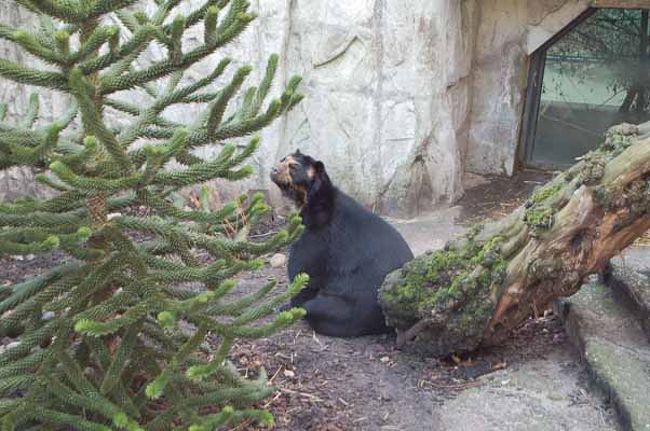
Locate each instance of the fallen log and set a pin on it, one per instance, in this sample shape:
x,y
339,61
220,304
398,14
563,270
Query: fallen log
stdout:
x,y
481,286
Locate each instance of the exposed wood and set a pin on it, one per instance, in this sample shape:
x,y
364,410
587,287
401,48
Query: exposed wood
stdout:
x,y
482,286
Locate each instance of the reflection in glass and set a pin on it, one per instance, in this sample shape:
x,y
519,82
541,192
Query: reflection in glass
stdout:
x,y
596,76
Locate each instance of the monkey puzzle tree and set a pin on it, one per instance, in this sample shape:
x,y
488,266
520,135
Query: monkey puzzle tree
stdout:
x,y
114,337
487,282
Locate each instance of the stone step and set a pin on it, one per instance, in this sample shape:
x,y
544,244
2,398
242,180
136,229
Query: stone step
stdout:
x,y
633,284
636,258
614,348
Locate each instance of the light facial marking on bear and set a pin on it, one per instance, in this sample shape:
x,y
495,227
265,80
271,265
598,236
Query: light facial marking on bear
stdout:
x,y
283,177
284,174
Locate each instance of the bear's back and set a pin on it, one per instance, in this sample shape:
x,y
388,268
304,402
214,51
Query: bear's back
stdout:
x,y
366,238
354,239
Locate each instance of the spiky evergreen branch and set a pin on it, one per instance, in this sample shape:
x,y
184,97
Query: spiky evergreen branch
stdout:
x,y
99,345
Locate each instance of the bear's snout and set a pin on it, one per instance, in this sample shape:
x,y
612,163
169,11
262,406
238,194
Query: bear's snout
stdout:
x,y
280,174
275,173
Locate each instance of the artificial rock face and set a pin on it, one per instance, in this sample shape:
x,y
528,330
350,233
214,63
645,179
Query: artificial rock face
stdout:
x,y
402,97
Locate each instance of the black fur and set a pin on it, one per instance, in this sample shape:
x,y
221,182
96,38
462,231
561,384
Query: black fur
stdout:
x,y
346,250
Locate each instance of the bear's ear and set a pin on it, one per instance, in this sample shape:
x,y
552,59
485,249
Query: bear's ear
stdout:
x,y
297,151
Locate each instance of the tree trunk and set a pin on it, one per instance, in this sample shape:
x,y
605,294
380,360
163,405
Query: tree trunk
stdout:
x,y
481,286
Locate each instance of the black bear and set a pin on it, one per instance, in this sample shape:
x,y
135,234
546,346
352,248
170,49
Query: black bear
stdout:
x,y
346,250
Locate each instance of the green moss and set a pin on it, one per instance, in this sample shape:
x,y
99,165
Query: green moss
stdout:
x,y
571,173
499,269
616,142
594,168
485,278
470,321
488,253
546,192
539,218
446,284
636,197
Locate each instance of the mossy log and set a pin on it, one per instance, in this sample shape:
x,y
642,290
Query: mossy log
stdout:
x,y
484,284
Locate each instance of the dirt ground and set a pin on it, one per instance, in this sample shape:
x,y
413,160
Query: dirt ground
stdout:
x,y
492,197
331,384
364,383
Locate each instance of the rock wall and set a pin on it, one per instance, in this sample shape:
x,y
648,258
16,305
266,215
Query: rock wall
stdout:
x,y
20,182
508,32
402,97
388,96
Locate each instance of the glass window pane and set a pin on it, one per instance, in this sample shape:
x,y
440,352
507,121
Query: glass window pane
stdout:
x,y
596,76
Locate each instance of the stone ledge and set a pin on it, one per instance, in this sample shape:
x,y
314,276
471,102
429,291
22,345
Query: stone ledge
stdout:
x,y
636,286
614,348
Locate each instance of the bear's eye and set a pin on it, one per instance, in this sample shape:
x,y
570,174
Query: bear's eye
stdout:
x,y
292,168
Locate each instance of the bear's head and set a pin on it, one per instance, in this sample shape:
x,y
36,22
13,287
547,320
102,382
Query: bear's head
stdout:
x,y
299,177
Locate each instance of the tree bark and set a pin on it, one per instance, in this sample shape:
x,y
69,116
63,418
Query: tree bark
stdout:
x,y
481,286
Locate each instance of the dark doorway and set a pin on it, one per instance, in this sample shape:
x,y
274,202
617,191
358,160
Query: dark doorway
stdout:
x,y
592,75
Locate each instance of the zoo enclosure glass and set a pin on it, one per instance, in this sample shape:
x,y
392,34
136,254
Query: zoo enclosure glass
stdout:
x,y
593,75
